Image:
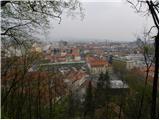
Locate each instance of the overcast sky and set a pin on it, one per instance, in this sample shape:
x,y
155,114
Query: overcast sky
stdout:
x,y
114,21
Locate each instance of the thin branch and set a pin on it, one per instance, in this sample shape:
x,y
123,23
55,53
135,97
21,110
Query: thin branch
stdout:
x,y
10,28
135,6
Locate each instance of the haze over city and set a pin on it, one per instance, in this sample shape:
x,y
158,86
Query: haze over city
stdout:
x,y
114,21
72,59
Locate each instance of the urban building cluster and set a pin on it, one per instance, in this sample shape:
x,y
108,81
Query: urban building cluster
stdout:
x,y
79,63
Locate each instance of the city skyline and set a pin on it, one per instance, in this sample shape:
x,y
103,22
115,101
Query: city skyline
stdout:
x,y
56,65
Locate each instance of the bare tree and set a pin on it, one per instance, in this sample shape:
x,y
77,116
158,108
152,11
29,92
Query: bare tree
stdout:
x,y
23,16
19,21
148,52
151,8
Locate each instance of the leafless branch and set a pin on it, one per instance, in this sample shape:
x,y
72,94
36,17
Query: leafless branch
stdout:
x,y
10,28
151,29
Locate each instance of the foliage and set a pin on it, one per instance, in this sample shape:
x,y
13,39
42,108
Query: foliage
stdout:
x,y
27,95
89,102
133,98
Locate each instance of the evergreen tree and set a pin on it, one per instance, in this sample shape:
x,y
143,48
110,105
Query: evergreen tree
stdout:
x,y
102,92
89,103
100,81
107,85
71,110
106,78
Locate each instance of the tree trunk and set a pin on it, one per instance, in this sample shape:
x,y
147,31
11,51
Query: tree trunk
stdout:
x,y
143,94
155,82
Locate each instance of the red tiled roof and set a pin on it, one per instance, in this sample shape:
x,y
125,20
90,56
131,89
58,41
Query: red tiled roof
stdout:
x,y
95,62
98,63
75,54
90,59
35,75
75,75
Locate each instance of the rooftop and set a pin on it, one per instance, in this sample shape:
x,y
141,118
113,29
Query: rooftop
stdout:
x,y
63,63
98,63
